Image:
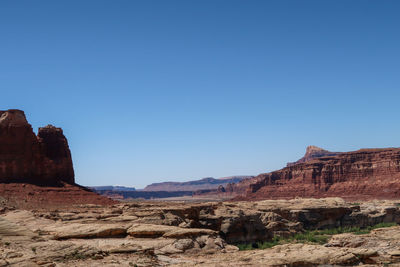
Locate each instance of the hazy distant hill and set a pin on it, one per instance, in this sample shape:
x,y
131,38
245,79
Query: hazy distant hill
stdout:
x,y
205,183
113,188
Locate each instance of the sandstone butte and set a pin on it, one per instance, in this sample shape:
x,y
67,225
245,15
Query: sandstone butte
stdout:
x,y
37,169
362,174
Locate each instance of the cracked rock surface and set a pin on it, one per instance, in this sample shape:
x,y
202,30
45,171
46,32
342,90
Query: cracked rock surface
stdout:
x,y
197,234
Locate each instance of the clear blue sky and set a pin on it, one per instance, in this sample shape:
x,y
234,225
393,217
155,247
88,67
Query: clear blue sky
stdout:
x,y
149,91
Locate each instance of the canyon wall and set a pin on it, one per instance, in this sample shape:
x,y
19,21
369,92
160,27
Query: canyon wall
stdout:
x,y
362,174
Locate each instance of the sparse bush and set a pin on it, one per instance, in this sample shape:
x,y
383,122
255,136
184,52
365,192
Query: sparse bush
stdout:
x,y
244,246
76,255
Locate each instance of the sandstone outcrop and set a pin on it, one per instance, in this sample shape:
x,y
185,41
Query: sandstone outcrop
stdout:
x,y
302,255
44,159
197,234
362,174
313,152
36,171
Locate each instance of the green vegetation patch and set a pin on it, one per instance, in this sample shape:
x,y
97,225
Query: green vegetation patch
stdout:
x,y
315,236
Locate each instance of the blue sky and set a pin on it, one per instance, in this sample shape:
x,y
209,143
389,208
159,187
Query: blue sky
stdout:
x,y
150,91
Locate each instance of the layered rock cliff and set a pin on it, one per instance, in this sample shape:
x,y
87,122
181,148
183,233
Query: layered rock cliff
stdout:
x,y
44,159
362,174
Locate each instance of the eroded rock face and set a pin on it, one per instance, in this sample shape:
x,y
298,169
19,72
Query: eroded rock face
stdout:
x,y
37,171
313,152
197,234
362,174
44,159
57,160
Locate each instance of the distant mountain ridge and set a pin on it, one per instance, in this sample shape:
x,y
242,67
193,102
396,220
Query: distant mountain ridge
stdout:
x,y
113,188
202,184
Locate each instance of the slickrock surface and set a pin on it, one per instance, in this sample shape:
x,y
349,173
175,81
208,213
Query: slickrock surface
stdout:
x,y
379,248
295,255
200,234
359,175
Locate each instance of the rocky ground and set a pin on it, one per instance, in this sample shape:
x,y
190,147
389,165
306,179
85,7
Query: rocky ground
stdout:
x,y
198,234
29,196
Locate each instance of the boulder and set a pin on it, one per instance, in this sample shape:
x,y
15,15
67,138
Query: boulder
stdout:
x,y
79,230
154,231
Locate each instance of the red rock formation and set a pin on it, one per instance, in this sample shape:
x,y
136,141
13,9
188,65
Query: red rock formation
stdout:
x,y
37,171
362,174
57,161
24,157
313,152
